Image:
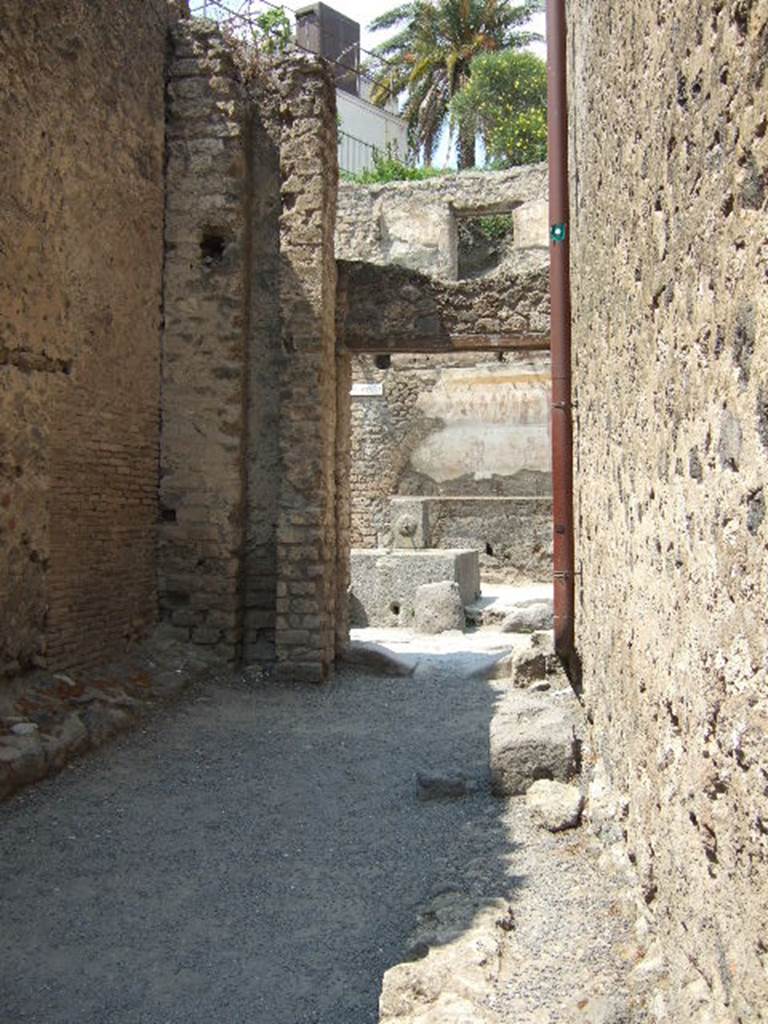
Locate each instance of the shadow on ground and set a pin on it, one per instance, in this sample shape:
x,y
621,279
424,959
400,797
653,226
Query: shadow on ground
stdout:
x,y
259,853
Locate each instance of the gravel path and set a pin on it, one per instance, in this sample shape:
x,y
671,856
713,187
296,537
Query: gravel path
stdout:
x,y
257,854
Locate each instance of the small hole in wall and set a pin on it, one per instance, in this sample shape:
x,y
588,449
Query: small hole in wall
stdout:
x,y
382,362
395,608
168,515
489,550
212,246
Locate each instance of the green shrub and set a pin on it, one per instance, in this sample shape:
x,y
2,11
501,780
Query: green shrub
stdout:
x,y
387,166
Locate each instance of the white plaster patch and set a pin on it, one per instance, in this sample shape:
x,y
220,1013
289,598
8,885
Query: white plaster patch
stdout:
x,y
482,450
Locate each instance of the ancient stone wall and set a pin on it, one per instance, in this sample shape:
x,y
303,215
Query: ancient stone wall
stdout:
x,y
307,521
471,422
206,339
422,314
414,223
463,425
670,274
81,212
248,475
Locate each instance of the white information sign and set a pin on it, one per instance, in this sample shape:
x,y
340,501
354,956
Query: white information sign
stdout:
x,y
362,390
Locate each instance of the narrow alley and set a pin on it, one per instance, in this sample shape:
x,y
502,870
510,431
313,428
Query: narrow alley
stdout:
x,y
261,853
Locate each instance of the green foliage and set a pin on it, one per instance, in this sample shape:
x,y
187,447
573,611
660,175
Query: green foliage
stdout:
x,y
272,31
387,166
430,56
505,100
496,226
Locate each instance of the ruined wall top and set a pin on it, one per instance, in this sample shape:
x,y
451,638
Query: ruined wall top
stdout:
x,y
415,223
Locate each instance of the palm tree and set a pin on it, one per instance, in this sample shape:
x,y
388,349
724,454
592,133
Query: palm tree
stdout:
x,y
429,59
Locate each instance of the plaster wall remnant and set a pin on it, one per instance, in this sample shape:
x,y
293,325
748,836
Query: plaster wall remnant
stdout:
x,y
81,207
457,427
670,319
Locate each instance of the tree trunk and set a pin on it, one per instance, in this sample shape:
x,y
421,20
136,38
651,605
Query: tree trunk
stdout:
x,y
465,149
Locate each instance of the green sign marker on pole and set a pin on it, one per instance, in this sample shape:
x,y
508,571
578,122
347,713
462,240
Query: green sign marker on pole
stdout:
x,y
558,233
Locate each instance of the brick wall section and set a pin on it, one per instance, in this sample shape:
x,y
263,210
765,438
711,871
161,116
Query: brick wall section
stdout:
x,y
205,377
81,111
671,369
306,540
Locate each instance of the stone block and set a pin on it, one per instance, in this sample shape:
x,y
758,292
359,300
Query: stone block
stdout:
x,y
554,805
384,583
529,617
455,960
534,736
531,222
438,607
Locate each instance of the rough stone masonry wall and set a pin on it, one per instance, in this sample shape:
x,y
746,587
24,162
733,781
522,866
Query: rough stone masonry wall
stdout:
x,y
670,260
221,362
414,223
307,549
248,539
81,212
207,309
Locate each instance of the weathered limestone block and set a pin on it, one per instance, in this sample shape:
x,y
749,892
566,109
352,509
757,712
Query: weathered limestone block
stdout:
x,y
554,805
438,607
22,760
529,617
535,666
384,583
534,736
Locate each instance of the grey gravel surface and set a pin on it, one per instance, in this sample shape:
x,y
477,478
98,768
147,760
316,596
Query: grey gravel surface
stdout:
x,y
259,853
569,955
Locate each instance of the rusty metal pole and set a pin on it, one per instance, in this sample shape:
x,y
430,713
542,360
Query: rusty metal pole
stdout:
x,y
560,295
